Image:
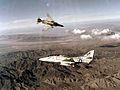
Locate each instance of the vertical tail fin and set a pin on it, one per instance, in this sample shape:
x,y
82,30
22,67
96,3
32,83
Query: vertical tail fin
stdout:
x,y
87,58
89,54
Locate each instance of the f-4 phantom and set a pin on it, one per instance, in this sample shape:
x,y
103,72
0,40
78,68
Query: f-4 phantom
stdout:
x,y
70,61
49,22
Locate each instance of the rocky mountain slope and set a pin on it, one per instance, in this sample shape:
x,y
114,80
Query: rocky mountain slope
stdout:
x,y
22,70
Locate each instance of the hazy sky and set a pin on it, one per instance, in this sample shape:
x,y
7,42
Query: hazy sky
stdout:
x,y
62,10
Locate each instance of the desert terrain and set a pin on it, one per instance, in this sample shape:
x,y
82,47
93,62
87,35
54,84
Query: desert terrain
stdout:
x,y
20,68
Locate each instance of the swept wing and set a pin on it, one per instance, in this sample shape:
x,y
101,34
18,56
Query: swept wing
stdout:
x,y
49,18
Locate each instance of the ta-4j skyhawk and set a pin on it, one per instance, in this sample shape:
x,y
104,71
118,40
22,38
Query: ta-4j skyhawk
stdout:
x,y
69,61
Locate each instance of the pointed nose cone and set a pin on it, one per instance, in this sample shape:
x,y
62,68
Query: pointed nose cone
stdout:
x,y
62,26
42,59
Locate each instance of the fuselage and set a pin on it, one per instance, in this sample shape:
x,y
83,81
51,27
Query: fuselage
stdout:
x,y
54,58
60,59
68,61
51,23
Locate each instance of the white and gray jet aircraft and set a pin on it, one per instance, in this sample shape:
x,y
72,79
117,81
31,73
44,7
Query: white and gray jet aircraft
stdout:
x,y
70,61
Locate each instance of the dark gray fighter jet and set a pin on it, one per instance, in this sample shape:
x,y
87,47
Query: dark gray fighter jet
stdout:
x,y
49,22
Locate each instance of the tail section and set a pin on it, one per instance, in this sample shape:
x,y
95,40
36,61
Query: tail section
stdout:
x,y
39,20
87,58
89,54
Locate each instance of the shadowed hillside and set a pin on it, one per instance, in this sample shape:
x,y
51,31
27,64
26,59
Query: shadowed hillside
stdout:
x,y
22,70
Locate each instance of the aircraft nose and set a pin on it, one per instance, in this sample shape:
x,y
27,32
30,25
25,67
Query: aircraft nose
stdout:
x,y
42,59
